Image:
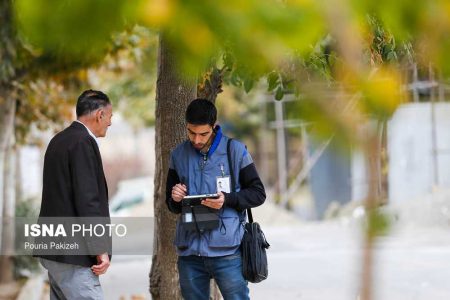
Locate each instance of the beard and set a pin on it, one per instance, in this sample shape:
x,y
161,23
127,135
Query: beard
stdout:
x,y
198,146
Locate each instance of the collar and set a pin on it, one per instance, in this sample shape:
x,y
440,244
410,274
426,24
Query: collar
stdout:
x,y
216,141
90,132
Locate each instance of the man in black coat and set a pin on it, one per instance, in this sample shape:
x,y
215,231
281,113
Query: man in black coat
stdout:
x,y
74,185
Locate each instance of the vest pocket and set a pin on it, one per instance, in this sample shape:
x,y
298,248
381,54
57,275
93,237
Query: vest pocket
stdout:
x,y
229,233
183,237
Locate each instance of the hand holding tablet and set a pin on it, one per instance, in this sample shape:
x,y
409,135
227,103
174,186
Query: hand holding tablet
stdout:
x,y
193,200
215,203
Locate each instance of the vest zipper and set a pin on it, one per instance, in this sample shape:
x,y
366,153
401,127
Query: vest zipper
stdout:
x,y
202,168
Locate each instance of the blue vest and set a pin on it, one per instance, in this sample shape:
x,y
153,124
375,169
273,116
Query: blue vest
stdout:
x,y
200,175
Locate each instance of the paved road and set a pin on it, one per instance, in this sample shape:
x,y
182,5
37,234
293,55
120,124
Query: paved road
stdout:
x,y
322,261
127,278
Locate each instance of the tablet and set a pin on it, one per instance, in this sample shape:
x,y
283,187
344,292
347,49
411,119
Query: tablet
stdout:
x,y
197,199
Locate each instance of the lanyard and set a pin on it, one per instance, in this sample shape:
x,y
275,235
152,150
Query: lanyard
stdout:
x,y
222,170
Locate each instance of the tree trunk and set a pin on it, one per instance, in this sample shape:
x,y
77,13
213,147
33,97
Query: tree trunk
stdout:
x,y
7,73
7,187
18,174
173,94
372,151
6,260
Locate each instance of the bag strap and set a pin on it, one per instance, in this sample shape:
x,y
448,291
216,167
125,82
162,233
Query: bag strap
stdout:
x,y
233,182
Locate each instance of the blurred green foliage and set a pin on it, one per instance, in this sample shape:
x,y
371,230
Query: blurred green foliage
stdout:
x,y
257,32
68,35
46,97
47,48
128,74
293,44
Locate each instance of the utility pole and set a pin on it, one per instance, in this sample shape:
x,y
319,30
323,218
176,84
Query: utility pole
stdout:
x,y
281,148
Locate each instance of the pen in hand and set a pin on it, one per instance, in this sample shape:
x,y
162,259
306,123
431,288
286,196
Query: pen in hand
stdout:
x,y
179,191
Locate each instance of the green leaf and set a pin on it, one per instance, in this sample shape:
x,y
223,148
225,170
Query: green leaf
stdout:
x,y
248,84
272,81
279,93
228,60
392,56
235,80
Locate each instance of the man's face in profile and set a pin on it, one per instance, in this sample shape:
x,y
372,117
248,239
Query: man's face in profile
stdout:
x,y
199,135
105,120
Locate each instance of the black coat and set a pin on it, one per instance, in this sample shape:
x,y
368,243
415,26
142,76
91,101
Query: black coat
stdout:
x,y
74,183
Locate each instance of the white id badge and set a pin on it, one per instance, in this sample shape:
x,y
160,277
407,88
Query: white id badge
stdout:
x,y
188,218
223,184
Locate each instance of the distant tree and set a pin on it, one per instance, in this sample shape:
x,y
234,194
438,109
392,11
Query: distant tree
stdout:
x,y
10,54
36,86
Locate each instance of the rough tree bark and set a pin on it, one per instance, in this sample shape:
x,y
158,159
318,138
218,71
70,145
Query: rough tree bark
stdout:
x,y
6,260
7,186
8,55
7,110
173,94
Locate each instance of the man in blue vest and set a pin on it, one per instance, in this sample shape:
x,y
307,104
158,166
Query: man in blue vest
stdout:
x,y
200,166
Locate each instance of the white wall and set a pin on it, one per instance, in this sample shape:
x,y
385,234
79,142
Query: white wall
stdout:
x,y
410,148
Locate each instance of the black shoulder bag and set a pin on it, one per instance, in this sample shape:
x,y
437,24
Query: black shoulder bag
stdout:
x,y
254,243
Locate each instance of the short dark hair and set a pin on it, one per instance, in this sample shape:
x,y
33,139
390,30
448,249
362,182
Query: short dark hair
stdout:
x,y
201,112
91,100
